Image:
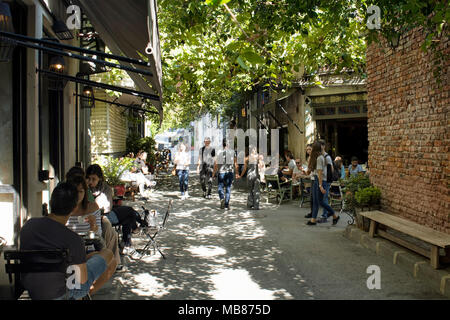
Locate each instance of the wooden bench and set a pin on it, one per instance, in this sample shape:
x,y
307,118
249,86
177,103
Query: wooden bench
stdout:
x,y
435,238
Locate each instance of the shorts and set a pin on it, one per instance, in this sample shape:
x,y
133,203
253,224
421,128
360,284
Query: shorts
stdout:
x,y
96,265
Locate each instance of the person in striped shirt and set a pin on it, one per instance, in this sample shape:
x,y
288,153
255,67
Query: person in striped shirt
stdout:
x,y
82,223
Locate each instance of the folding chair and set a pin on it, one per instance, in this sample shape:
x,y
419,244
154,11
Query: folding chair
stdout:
x,y
278,190
33,261
153,232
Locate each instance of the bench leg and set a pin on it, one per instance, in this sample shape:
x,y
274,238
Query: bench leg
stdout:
x,y
373,228
446,259
434,257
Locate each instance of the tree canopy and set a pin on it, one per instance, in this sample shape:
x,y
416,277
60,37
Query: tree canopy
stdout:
x,y
215,49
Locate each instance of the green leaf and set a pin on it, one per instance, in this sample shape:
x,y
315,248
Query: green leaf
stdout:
x,y
242,63
253,58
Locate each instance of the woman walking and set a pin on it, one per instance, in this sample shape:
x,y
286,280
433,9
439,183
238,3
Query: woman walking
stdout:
x,y
253,181
182,161
317,166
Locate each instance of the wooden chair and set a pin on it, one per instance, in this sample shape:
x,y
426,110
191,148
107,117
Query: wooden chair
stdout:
x,y
305,195
281,191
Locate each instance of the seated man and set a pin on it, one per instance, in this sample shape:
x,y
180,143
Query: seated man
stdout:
x,y
51,233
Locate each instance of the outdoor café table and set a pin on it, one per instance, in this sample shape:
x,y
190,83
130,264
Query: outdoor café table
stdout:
x,y
90,239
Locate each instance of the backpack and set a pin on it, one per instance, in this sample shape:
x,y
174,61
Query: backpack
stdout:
x,y
330,169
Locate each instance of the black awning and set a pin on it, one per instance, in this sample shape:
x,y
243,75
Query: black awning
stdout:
x,y
130,28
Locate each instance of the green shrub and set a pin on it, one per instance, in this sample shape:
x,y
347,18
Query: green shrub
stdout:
x,y
356,182
368,196
135,144
113,168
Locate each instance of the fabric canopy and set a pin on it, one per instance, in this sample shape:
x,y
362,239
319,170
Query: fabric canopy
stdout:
x,y
130,28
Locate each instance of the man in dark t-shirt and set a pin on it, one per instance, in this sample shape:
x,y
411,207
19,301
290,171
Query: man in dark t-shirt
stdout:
x,y
51,233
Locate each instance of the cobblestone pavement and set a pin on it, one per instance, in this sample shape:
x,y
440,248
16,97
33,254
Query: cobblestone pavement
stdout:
x,y
242,254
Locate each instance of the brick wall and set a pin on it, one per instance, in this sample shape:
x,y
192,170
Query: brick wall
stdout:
x,y
409,137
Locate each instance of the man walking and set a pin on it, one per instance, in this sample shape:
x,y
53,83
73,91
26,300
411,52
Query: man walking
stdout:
x,y
205,167
226,164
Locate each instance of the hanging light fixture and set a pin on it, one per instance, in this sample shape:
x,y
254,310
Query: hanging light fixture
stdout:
x,y
61,30
57,64
88,99
6,25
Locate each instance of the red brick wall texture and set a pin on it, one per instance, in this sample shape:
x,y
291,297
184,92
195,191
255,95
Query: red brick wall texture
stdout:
x,y
409,131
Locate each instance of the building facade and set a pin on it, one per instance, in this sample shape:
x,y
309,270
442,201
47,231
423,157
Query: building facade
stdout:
x,y
409,137
43,129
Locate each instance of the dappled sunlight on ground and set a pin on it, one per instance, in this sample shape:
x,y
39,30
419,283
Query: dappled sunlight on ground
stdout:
x,y
238,285
211,253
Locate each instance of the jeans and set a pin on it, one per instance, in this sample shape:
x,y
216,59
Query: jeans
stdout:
x,y
253,184
206,178
318,199
183,177
326,186
95,266
224,188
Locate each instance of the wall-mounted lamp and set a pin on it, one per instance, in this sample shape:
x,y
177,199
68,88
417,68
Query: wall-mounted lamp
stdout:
x,y
244,112
61,30
6,25
88,99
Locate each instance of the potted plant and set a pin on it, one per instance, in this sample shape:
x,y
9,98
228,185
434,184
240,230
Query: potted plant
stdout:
x,y
357,200
366,199
113,169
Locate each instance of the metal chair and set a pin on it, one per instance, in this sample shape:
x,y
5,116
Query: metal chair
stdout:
x,y
153,232
33,261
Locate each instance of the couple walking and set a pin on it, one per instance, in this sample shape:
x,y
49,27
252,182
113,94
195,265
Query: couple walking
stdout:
x,y
224,164
209,164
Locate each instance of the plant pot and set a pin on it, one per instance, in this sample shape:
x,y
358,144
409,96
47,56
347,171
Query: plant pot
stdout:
x,y
119,190
362,222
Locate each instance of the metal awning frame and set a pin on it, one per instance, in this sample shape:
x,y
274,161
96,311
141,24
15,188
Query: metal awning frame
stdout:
x,y
133,107
49,46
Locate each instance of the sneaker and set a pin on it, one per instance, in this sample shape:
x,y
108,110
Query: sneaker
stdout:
x,y
335,221
128,250
222,204
311,223
209,196
227,207
204,195
186,195
120,268
136,255
309,216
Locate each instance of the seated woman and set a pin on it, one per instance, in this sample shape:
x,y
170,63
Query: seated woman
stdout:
x,y
117,215
82,223
109,234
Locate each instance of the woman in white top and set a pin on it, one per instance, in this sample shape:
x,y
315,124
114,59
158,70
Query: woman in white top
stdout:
x,y
182,161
